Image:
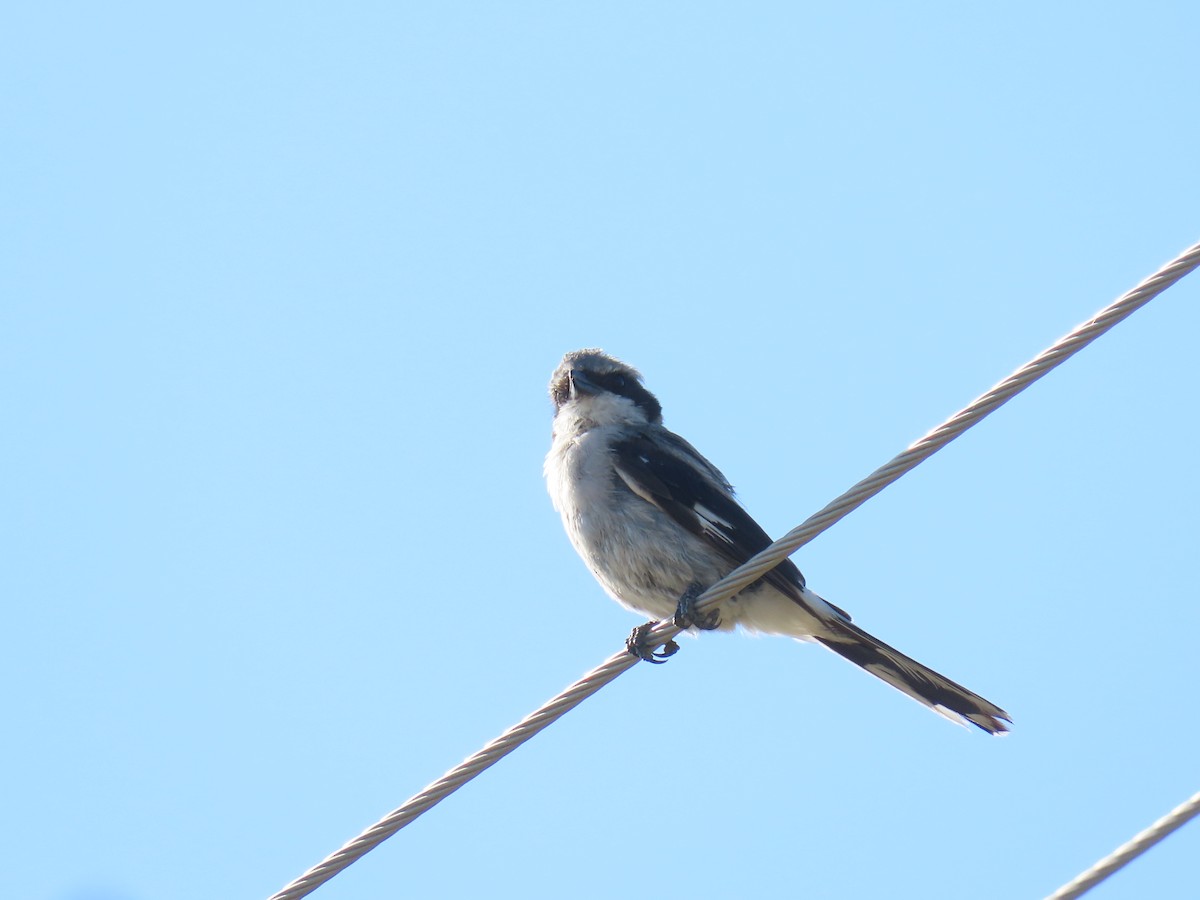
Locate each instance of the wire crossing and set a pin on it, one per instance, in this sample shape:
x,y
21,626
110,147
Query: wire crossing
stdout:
x,y
744,575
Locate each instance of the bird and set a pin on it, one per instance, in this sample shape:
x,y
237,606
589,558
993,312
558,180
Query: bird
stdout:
x,y
657,524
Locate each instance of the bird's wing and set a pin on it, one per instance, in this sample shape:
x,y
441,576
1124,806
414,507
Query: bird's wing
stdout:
x,y
673,476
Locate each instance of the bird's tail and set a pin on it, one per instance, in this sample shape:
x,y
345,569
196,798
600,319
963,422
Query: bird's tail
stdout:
x,y
924,685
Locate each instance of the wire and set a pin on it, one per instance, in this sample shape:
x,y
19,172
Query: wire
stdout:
x,y
1129,851
939,437
615,665
491,754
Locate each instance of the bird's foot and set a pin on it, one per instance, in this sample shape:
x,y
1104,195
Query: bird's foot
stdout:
x,y
637,646
686,615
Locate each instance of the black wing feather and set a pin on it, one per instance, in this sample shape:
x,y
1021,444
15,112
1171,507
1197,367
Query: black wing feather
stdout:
x,y
674,484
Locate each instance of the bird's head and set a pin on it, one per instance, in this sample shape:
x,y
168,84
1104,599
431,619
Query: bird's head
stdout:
x,y
603,390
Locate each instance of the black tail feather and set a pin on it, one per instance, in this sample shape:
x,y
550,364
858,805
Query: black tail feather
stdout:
x,y
920,682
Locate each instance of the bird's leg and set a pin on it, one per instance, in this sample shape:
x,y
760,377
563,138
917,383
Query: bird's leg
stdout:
x,y
636,645
686,615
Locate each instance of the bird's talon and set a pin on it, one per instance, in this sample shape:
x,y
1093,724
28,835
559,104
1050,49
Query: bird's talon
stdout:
x,y
686,615
669,649
636,645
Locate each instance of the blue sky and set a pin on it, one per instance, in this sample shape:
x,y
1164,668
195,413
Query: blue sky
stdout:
x,y
283,286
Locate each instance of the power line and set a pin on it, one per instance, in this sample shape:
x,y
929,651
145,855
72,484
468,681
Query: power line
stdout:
x,y
751,571
1129,851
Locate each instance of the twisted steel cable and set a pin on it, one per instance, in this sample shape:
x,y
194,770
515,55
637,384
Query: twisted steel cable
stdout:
x,y
746,574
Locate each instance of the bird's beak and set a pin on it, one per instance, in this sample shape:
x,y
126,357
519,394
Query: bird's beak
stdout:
x,y
580,384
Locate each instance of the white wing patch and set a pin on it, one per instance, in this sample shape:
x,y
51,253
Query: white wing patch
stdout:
x,y
634,486
709,516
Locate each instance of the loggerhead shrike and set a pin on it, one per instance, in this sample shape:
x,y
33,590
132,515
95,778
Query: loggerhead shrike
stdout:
x,y
657,523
